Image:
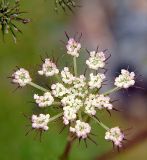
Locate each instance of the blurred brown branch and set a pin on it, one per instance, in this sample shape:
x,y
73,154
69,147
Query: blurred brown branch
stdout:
x,y
68,148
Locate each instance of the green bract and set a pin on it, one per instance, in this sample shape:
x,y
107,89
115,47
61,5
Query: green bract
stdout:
x,y
9,15
65,4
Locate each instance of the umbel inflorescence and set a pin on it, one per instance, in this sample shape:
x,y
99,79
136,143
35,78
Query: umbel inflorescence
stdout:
x,y
78,97
10,15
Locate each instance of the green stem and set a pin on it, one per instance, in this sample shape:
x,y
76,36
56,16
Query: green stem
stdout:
x,y
57,103
56,117
111,91
75,65
100,123
80,115
38,87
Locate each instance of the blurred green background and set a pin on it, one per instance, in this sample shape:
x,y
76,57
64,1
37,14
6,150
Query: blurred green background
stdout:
x,y
40,36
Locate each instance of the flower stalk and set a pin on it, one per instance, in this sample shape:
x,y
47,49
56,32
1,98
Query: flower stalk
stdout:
x,y
111,91
75,65
100,123
56,117
38,87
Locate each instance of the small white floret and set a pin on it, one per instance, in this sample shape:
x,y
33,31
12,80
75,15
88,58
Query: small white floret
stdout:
x,y
21,77
96,80
96,60
40,122
81,129
69,114
72,101
125,79
66,76
48,68
103,102
115,135
58,90
89,104
79,87
73,47
45,100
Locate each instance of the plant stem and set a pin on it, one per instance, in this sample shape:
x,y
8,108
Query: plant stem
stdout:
x,y
111,91
68,148
80,115
100,123
38,87
55,117
57,103
75,65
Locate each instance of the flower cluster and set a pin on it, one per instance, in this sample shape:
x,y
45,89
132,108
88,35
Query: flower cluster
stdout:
x,y
21,77
103,102
125,79
73,47
115,135
96,60
66,76
81,129
48,68
45,100
96,80
71,104
78,97
98,102
40,122
58,90
9,15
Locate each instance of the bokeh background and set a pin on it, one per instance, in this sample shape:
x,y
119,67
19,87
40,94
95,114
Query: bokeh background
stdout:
x,y
117,25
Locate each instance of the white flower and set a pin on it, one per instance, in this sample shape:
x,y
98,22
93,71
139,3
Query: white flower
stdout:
x,y
96,60
79,92
58,90
73,47
125,79
89,109
96,80
40,122
79,87
115,135
72,101
71,105
79,81
45,100
96,101
81,129
90,104
48,68
67,77
69,114
103,102
21,77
